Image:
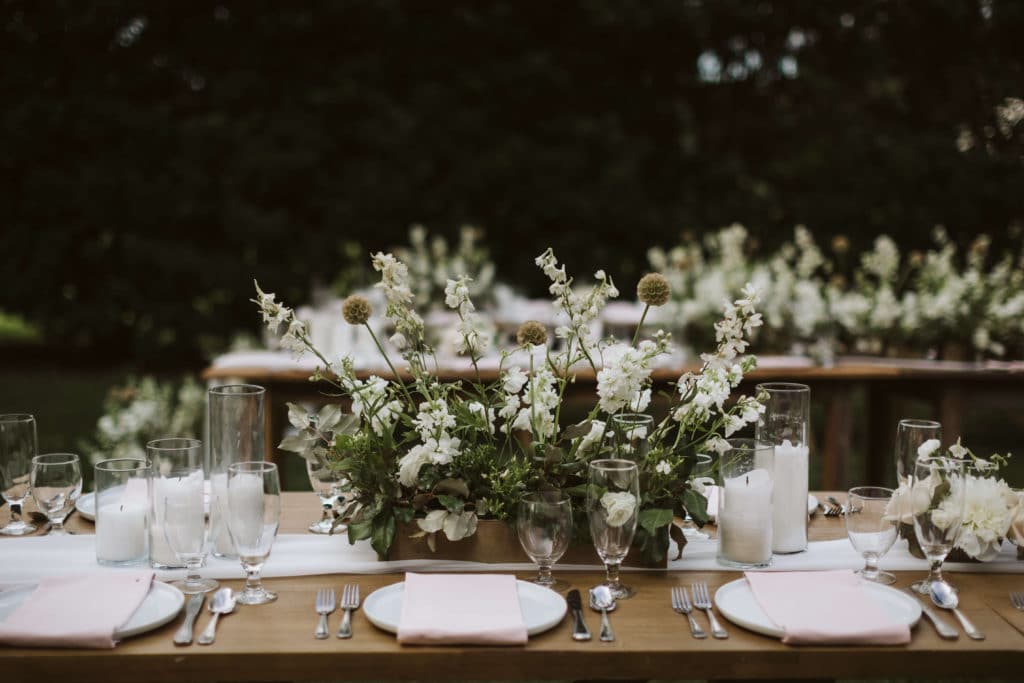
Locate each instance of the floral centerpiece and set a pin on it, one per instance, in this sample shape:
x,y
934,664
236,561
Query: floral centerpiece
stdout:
x,y
446,454
989,504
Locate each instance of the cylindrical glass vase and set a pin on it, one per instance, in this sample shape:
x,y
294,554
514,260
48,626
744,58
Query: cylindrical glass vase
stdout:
x,y
177,477
745,504
122,509
786,425
631,431
236,435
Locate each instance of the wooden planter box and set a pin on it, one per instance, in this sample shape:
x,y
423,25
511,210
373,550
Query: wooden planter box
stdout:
x,y
493,541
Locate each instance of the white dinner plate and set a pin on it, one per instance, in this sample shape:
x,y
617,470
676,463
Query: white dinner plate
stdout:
x,y
542,608
737,604
161,605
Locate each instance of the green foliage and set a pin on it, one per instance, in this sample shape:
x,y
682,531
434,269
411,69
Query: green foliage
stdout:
x,y
147,183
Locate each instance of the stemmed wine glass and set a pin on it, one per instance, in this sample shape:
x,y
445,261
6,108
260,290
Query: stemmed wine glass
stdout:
x,y
56,481
17,448
937,498
871,528
254,514
544,524
613,502
186,535
910,436
325,482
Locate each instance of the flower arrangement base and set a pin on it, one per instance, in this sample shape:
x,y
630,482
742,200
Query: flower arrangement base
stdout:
x,y
494,541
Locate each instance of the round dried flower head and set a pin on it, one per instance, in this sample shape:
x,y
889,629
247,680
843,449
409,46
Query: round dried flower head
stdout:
x,y
356,310
840,244
653,289
533,333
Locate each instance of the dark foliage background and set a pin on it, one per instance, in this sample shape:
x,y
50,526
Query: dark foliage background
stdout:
x,y
157,156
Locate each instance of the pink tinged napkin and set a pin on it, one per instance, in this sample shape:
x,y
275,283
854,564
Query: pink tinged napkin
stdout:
x,y
448,609
76,611
824,607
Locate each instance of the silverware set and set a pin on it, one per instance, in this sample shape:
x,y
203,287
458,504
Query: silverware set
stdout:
x,y
1017,600
325,605
222,602
682,604
832,507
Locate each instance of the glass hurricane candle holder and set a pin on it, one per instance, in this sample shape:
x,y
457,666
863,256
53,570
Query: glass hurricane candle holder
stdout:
x,y
122,511
785,425
745,504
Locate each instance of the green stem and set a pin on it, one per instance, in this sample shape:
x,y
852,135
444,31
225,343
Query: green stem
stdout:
x,y
387,359
643,316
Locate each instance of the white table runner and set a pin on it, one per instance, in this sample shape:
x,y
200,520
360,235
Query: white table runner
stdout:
x,y
24,560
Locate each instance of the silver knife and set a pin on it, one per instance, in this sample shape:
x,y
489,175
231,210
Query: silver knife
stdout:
x,y
944,629
579,630
184,634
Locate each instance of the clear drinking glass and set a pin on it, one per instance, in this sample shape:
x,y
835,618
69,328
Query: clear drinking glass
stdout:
x,y
122,509
544,524
177,474
910,436
236,435
871,529
253,517
325,482
613,502
702,478
17,448
785,424
56,481
631,431
185,533
937,498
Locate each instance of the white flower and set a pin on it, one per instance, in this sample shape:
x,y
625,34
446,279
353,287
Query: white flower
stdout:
x,y
486,414
958,451
988,507
513,380
928,448
399,341
409,465
394,278
433,522
370,401
663,467
592,439
718,445
456,296
294,338
619,507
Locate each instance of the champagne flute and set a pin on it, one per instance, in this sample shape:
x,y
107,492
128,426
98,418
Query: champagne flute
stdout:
x,y
937,498
254,514
910,436
544,525
613,502
186,536
325,482
56,481
17,448
871,528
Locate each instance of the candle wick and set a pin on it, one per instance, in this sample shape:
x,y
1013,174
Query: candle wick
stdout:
x,y
748,480
122,508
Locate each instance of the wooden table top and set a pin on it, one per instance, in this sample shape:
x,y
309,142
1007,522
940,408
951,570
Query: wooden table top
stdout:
x,y
275,642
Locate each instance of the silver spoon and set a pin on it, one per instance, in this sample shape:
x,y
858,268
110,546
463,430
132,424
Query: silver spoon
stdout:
x,y
222,602
601,600
945,597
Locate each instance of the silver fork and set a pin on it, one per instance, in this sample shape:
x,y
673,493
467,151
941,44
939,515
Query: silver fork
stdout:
x,y
324,606
702,600
681,604
841,509
349,602
830,509
1017,600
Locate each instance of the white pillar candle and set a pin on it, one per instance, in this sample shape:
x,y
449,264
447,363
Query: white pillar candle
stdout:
x,y
245,510
121,532
789,503
744,519
219,515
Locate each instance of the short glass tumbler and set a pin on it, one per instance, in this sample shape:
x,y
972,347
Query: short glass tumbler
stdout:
x,y
122,511
17,448
871,527
613,502
745,504
631,431
544,525
56,481
253,517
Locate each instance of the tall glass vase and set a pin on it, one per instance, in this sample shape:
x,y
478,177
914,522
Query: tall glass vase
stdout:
x,y
631,431
785,425
236,435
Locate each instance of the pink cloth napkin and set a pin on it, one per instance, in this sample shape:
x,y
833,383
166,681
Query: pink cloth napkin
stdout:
x,y
824,607
76,611
475,609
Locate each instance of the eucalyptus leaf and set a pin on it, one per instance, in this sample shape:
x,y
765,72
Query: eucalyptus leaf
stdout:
x,y
452,503
328,417
359,531
577,430
457,487
697,507
553,454
347,424
298,443
654,518
297,416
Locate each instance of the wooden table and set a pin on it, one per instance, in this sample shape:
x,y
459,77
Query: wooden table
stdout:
x,y
946,385
274,642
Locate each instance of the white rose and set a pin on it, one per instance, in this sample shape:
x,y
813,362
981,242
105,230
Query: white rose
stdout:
x,y
619,507
927,448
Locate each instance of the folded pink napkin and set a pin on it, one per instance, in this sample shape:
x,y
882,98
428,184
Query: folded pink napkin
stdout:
x,y
826,607
477,609
76,611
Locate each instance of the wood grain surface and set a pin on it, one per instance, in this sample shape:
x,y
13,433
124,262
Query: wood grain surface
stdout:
x,y
275,642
